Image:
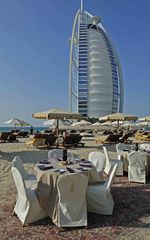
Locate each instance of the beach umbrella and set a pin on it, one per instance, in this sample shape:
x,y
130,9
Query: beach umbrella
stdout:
x,y
17,122
56,113
118,117
128,124
143,124
145,119
115,123
53,122
106,123
81,123
97,124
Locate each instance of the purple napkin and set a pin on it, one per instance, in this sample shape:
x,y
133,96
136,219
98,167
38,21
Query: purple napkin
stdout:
x,y
85,165
44,167
85,161
70,170
44,161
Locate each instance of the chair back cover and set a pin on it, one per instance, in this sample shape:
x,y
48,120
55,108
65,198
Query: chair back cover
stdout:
x,y
55,153
98,159
137,167
58,153
72,209
145,146
109,181
19,182
27,206
17,162
120,147
108,164
137,159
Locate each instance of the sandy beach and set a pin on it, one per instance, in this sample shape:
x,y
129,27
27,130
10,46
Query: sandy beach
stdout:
x,y
126,221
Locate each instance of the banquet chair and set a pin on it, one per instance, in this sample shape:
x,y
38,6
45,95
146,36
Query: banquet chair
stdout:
x,y
137,167
55,154
27,207
121,147
98,159
109,162
58,153
71,207
30,179
144,147
99,197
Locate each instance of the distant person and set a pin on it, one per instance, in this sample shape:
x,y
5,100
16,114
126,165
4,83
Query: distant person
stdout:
x,y
31,130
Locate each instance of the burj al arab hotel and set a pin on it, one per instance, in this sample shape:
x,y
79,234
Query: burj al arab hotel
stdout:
x,y
95,77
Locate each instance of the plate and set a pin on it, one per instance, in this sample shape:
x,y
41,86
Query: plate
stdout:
x,y
45,161
86,165
62,170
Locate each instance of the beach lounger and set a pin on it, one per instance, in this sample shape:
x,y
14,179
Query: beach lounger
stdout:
x,y
36,142
12,138
48,142
110,138
125,138
4,136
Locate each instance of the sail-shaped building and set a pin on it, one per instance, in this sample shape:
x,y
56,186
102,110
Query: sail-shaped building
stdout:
x,y
95,77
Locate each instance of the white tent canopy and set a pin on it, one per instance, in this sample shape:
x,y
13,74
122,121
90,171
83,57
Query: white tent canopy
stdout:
x,y
97,124
53,123
17,122
143,124
81,123
147,119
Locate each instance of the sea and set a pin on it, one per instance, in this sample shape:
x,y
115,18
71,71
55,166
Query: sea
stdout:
x,y
35,129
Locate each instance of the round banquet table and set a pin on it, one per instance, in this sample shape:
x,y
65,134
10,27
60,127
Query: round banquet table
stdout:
x,y
47,181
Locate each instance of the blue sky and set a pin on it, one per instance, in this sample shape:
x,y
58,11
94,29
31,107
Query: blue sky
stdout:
x,y
34,52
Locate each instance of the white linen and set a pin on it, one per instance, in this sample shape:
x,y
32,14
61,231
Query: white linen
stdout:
x,y
137,167
71,207
27,207
98,159
99,198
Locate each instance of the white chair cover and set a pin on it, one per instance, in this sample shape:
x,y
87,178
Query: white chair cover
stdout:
x,y
55,154
145,146
98,159
137,167
30,179
27,207
71,208
120,147
99,198
58,153
109,163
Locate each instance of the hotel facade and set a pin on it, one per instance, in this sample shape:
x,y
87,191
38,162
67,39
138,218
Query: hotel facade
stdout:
x,y
95,77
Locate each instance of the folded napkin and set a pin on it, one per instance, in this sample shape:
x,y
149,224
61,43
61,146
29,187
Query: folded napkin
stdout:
x,y
45,161
126,150
62,171
45,167
85,161
85,165
70,170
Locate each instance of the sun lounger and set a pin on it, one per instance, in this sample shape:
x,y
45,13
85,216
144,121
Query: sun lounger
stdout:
x,y
142,136
4,136
125,138
36,142
22,134
12,138
110,138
